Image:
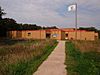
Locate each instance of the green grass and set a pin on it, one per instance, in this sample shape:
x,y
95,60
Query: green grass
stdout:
x,y
78,63
31,60
29,67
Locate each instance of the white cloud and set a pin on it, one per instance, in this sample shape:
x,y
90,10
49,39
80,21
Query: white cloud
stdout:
x,y
46,12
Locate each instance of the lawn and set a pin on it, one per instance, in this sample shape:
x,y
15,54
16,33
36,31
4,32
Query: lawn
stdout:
x,y
82,58
23,57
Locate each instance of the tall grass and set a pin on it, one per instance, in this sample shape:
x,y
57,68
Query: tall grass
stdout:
x,y
23,58
87,46
79,63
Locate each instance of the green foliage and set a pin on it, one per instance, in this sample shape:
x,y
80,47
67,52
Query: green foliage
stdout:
x,y
88,28
7,24
82,63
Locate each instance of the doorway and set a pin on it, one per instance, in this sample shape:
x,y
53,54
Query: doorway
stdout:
x,y
66,36
48,35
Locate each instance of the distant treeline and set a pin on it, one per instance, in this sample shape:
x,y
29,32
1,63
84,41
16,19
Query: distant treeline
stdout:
x,y
89,29
8,24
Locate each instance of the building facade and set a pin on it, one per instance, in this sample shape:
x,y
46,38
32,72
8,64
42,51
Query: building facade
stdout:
x,y
58,34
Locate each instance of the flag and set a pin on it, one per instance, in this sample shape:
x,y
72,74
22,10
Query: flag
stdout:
x,y
72,7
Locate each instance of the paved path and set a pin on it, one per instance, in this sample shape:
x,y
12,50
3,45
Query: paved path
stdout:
x,y
54,65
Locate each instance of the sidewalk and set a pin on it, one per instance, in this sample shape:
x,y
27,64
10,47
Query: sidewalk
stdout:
x,y
54,65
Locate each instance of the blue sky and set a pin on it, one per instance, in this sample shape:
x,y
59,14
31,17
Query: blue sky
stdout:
x,y
53,12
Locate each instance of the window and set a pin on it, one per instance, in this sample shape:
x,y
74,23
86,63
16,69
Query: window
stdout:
x,y
29,34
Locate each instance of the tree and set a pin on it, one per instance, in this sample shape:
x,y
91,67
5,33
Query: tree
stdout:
x,y
30,27
88,29
1,13
7,24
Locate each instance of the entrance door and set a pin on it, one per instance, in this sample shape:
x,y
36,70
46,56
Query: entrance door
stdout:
x,y
66,36
48,35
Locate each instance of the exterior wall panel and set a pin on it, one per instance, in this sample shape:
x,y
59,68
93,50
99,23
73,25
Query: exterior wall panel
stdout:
x,y
60,34
39,34
63,35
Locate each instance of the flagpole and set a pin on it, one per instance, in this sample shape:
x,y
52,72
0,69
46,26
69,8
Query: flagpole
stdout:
x,y
76,22
73,7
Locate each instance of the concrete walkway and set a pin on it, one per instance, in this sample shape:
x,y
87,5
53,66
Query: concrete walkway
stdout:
x,y
54,65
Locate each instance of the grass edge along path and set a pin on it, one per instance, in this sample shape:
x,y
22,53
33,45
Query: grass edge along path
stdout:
x,y
81,63
30,66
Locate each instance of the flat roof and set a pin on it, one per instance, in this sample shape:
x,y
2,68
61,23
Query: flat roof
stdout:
x,y
64,30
